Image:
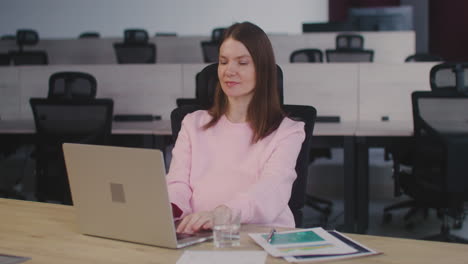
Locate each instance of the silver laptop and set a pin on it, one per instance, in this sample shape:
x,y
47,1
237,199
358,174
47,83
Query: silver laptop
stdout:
x,y
121,193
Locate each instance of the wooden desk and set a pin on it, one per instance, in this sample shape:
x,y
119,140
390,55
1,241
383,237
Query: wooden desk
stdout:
x,y
48,234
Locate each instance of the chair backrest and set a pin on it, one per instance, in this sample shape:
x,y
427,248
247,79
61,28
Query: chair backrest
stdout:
x,y
306,55
423,57
89,34
210,50
4,59
207,79
135,48
338,55
60,121
72,85
306,114
26,37
349,41
449,76
217,34
441,137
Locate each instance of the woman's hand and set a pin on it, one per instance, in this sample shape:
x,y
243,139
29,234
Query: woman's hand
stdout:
x,y
202,220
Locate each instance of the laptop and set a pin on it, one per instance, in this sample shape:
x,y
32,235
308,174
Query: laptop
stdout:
x,y
121,193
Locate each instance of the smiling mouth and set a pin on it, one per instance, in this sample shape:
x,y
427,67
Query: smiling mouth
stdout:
x,y
231,84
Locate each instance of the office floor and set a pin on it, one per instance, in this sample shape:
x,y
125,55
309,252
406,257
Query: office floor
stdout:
x,y
325,181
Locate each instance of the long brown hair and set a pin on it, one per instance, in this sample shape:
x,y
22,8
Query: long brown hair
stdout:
x,y
264,113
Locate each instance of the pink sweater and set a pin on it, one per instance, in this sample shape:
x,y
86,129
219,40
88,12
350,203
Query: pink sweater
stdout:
x,y
221,166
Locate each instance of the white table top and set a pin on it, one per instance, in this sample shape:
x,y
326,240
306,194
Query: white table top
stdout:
x,y
157,127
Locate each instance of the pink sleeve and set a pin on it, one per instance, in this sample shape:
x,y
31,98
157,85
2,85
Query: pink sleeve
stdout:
x,y
177,179
264,201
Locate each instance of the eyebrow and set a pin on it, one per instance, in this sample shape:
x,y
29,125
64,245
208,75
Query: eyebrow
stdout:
x,y
238,57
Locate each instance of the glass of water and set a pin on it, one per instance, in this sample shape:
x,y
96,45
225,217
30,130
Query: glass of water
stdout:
x,y
226,228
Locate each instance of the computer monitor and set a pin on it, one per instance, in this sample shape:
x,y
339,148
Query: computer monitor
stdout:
x,y
381,18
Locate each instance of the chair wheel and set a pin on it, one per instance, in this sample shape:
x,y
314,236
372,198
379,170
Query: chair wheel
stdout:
x,y
387,218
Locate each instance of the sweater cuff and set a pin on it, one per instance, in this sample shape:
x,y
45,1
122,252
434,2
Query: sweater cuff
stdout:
x,y
176,211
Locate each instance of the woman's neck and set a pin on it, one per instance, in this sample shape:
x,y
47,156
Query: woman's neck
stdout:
x,y
237,110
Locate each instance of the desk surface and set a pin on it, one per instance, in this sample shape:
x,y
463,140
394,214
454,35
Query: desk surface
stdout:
x,y
163,127
157,127
48,234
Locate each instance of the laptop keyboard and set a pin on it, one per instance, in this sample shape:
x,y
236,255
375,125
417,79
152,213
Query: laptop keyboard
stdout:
x,y
183,235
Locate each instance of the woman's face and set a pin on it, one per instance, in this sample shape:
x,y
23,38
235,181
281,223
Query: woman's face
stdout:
x,y
236,70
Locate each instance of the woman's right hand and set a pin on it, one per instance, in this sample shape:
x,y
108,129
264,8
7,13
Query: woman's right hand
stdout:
x,y
201,220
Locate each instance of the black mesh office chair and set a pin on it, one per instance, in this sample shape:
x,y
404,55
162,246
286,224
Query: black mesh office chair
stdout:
x,y
423,57
217,34
306,55
349,48
60,121
349,41
449,76
72,85
210,50
446,78
307,114
4,59
135,48
27,37
89,34
440,157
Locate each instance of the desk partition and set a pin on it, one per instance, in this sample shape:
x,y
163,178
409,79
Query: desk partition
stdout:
x,y
353,91
389,47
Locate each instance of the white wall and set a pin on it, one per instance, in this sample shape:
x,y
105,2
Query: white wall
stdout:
x,y
68,18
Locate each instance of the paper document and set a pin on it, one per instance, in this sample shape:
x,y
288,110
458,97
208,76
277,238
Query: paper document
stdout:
x,y
362,251
8,259
225,257
312,241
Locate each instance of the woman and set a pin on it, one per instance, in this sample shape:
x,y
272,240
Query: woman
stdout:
x,y
241,153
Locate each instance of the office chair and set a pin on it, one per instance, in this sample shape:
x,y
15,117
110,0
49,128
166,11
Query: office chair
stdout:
x,y
58,121
72,85
307,114
423,57
217,34
210,51
306,55
349,41
210,48
4,59
89,34
449,76
443,78
135,48
438,177
349,48
27,37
